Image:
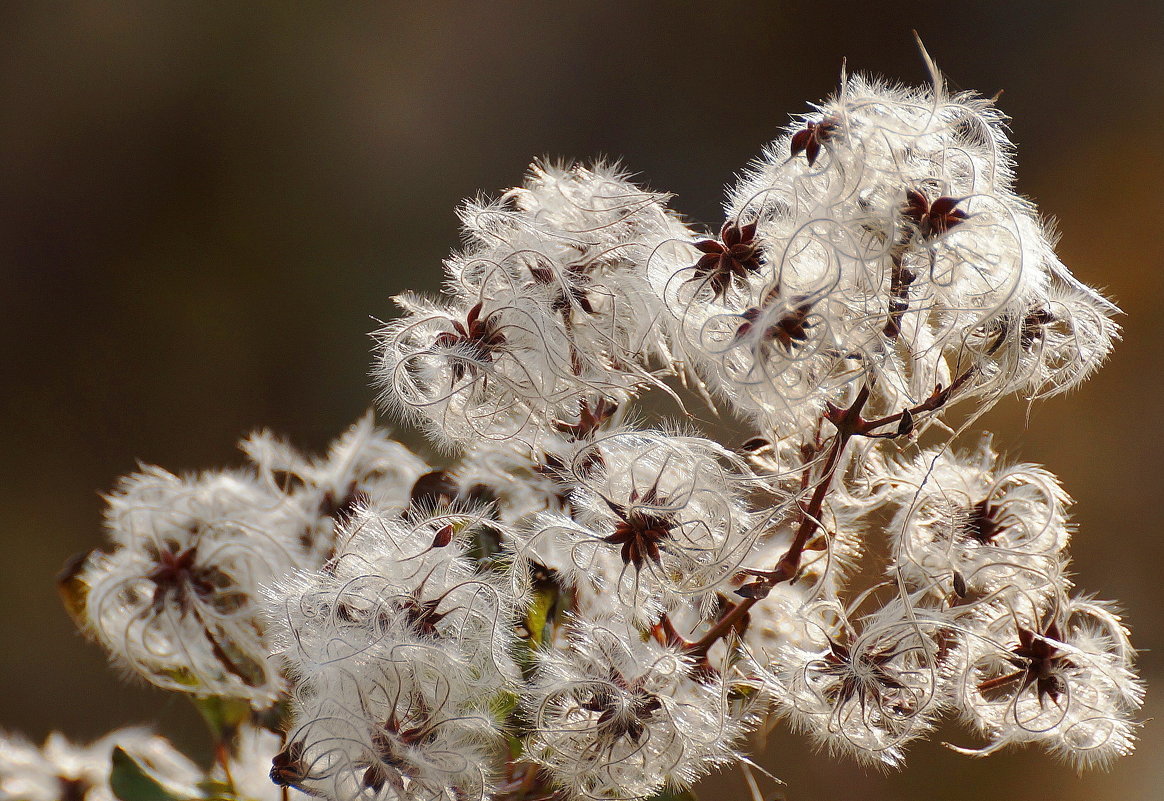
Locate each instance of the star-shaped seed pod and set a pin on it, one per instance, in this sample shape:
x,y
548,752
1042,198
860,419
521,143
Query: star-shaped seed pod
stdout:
x,y
478,335
932,219
640,531
1039,660
809,139
734,255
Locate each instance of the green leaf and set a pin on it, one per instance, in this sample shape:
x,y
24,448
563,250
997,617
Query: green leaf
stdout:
x,y
544,599
74,592
182,676
535,623
217,790
486,543
130,781
516,748
222,715
275,718
503,703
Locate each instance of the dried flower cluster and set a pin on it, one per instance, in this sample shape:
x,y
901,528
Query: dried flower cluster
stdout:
x,y
581,604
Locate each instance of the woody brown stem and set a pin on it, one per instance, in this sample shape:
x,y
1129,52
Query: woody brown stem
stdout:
x,y
222,756
937,400
847,423
901,277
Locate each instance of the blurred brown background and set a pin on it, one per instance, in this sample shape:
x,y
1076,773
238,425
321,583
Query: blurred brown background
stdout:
x,y
202,206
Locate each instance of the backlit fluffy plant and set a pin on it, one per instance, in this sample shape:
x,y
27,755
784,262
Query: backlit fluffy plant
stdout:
x,y
576,604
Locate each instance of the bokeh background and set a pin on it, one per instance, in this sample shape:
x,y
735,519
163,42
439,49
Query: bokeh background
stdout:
x,y
203,205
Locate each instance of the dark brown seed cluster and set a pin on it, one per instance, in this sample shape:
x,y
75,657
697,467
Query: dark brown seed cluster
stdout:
x,y
177,574
734,255
639,531
985,522
1039,661
789,330
478,335
932,219
866,678
619,716
809,139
